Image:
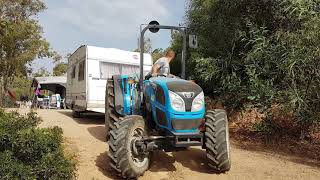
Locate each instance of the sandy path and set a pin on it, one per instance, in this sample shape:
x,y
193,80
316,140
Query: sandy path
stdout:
x,y
85,136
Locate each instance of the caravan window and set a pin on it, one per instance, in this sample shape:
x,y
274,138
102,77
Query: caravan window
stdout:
x,y
132,70
81,71
73,73
108,69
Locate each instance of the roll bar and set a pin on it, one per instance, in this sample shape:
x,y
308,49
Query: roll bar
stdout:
x,y
184,48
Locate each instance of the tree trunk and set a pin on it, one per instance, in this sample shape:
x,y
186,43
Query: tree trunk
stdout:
x,y
4,86
2,92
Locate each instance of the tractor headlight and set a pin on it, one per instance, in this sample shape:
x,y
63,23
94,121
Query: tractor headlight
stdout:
x,y
198,102
177,103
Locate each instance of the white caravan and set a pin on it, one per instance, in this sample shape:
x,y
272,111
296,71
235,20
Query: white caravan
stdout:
x,y
88,70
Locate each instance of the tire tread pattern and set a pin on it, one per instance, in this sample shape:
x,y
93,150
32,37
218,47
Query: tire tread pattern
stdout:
x,y
111,116
216,140
118,150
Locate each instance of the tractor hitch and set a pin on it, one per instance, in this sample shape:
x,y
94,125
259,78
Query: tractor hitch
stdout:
x,y
149,144
166,143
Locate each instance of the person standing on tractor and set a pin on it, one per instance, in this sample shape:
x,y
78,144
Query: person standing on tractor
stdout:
x,y
162,65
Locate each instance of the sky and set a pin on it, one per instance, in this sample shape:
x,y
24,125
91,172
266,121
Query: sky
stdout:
x,y
67,24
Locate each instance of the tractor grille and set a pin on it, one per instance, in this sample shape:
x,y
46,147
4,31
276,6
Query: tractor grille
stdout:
x,y
181,87
161,116
160,95
183,124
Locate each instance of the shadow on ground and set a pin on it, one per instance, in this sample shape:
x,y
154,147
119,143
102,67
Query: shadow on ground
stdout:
x,y
162,162
86,118
102,162
98,132
193,159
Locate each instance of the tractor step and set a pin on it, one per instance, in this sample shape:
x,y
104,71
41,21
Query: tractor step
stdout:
x,y
188,140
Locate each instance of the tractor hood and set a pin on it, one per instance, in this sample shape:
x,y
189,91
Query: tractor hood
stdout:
x,y
178,85
187,90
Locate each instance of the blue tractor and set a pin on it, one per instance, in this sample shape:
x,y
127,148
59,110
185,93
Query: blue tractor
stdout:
x,y
161,113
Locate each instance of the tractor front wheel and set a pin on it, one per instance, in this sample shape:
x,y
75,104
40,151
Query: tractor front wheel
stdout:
x,y
122,152
217,140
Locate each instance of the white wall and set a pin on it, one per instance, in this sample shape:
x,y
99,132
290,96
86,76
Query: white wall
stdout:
x,y
100,62
76,90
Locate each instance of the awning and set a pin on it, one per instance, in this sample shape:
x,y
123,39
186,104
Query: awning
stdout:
x,y
50,80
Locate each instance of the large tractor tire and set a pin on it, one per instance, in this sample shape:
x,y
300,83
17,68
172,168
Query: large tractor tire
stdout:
x,y
216,140
123,157
111,116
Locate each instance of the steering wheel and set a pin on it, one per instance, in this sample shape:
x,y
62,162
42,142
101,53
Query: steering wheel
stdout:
x,y
148,76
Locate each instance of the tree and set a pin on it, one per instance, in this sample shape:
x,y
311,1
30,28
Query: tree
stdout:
x,y
157,53
176,46
147,46
21,86
42,72
60,69
21,38
259,52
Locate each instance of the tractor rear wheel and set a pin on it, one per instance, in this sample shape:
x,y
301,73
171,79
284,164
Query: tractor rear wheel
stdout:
x,y
111,116
216,140
124,157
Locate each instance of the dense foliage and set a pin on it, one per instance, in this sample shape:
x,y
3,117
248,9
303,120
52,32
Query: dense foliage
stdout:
x,y
21,86
21,39
147,46
259,52
42,72
27,152
60,69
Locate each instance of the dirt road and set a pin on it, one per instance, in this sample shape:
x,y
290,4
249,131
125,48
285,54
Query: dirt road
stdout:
x,y
85,136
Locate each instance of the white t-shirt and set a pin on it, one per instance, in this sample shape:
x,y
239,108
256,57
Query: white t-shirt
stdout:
x,y
164,66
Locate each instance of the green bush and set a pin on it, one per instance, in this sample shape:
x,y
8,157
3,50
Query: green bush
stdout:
x,y
259,53
11,168
28,152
